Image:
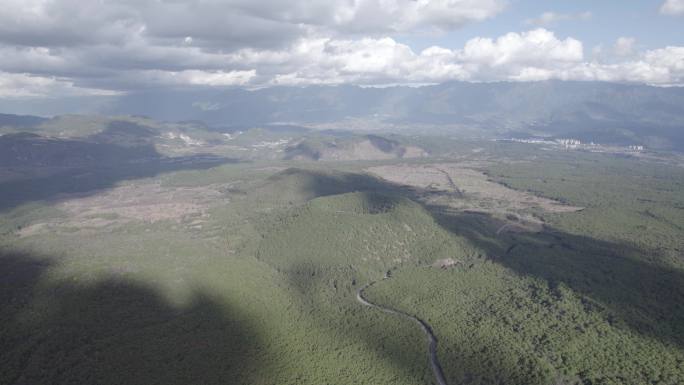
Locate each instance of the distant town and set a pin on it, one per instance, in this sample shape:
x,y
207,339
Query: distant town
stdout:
x,y
576,144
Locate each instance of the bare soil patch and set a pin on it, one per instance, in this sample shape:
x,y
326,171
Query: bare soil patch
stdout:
x,y
461,187
135,202
479,191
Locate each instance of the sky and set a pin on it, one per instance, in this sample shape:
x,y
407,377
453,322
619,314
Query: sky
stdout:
x,y
61,48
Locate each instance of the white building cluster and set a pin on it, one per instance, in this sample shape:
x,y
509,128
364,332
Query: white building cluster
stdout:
x,y
569,143
576,144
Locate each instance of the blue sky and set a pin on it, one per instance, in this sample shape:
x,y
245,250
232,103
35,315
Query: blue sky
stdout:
x,y
609,20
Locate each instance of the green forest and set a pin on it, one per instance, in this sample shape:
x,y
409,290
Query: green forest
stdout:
x,y
260,287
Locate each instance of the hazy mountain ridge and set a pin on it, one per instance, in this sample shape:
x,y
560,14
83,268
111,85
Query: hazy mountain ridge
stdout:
x,y
76,140
606,113
368,147
9,120
27,149
609,112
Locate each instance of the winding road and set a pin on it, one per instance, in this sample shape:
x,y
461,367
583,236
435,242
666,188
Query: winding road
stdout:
x,y
432,340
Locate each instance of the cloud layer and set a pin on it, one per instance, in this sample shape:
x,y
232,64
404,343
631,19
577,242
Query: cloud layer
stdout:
x,y
67,47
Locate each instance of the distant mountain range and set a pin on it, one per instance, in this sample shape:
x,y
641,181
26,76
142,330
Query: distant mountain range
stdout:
x,y
20,121
605,113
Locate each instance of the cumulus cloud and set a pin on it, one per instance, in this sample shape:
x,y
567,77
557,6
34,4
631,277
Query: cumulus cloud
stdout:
x,y
200,78
550,18
672,7
528,56
127,44
664,66
242,43
364,61
373,61
536,47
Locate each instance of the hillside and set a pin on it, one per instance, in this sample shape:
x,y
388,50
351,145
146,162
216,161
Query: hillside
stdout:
x,y
187,138
20,121
368,147
32,150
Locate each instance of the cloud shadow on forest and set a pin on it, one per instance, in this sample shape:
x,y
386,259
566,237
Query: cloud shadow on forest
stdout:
x,y
116,332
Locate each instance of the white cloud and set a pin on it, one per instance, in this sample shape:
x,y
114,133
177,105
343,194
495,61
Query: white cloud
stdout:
x,y
21,86
408,15
668,60
384,60
672,7
527,56
192,78
533,55
133,44
218,78
365,61
550,18
533,47
63,22
664,66
244,43
221,25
